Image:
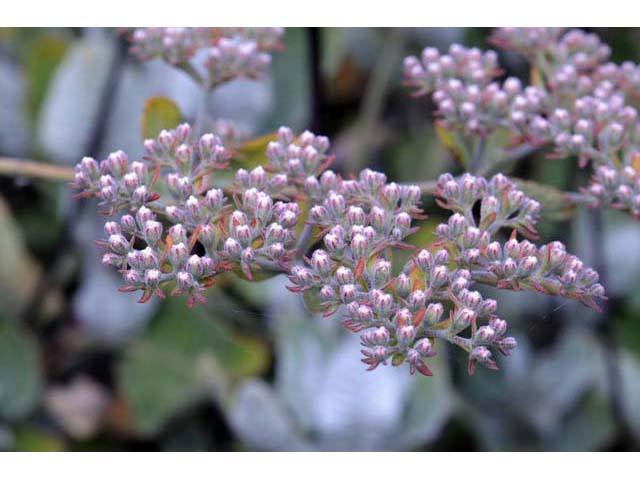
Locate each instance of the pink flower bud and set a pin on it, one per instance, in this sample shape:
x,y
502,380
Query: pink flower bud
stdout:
x,y
321,262
183,157
111,259
424,347
194,266
364,314
381,271
128,224
301,275
243,234
132,277
152,278
462,319
402,221
152,231
258,177
433,314
405,334
344,275
111,228
509,267
90,167
178,234
424,260
416,300
456,224
144,215
285,136
288,219
184,280
327,293
481,354
355,216
147,258
403,317
359,245
484,335
166,139
118,244
528,265
335,203
178,255
192,207
117,163
439,276
347,292
381,302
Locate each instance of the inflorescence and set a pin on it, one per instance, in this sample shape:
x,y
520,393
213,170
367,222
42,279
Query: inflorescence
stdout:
x,y
177,231
211,55
580,103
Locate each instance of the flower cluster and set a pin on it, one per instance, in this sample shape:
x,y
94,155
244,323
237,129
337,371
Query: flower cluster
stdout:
x,y
515,264
400,316
223,53
300,159
466,94
170,187
359,222
581,104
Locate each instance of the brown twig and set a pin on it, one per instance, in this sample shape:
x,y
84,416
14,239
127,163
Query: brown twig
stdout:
x,y
18,167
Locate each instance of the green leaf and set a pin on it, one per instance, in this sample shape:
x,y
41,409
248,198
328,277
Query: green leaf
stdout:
x,y
453,143
253,152
34,439
157,383
556,206
290,82
158,113
185,355
41,61
20,376
429,405
19,273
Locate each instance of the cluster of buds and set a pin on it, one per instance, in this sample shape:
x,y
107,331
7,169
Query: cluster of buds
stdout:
x,y
625,77
400,317
432,70
170,190
526,41
467,97
301,158
228,52
359,222
581,103
599,129
513,265
620,189
592,118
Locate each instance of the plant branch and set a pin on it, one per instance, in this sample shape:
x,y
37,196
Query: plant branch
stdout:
x,y
17,167
375,94
190,70
510,157
303,242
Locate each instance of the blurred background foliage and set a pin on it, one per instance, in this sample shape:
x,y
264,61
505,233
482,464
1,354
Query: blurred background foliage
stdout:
x,y
83,367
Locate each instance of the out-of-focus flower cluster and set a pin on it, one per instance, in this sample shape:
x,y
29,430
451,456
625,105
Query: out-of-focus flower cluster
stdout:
x,y
580,103
221,53
468,98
